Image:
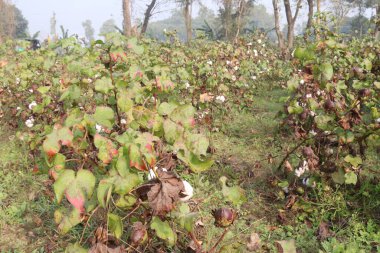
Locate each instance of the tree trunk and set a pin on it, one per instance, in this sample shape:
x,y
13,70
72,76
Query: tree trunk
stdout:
x,y
147,15
241,9
291,22
280,35
310,14
227,19
187,15
127,23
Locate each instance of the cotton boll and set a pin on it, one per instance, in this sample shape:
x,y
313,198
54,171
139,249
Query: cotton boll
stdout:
x,y
31,105
188,192
98,128
302,81
123,121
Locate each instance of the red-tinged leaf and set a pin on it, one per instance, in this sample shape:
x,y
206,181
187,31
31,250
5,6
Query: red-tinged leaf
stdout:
x,y
107,149
77,199
135,158
59,136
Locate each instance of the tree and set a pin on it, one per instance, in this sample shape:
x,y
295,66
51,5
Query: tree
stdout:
x,y
53,24
127,23
186,6
88,30
12,22
287,45
107,27
147,15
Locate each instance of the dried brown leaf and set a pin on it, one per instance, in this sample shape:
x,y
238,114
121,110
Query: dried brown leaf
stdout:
x,y
103,248
165,192
324,231
254,242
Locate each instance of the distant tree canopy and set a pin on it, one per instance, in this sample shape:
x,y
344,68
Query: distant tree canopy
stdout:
x,y
108,26
12,22
256,17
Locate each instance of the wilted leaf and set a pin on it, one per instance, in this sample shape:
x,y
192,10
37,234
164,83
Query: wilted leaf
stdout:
x,y
163,195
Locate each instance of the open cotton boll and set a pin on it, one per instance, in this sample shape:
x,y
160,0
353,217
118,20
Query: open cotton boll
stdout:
x,y
188,192
31,105
123,121
98,128
152,175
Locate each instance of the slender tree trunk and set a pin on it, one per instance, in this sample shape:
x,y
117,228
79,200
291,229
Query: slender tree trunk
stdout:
x,y
318,12
242,6
127,23
187,15
280,35
310,14
228,18
291,22
147,15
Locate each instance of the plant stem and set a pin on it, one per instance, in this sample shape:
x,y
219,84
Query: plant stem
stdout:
x,y
219,240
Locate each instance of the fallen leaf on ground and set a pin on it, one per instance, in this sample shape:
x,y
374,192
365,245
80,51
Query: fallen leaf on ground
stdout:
x,y
286,246
324,231
253,242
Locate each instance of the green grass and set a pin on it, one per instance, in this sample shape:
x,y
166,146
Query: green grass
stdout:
x,y
25,210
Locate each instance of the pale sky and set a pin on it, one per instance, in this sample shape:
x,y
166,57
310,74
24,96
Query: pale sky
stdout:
x,y
71,13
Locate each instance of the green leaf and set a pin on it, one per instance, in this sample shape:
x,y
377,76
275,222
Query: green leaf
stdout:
x,y
367,64
184,115
104,192
354,161
126,202
104,116
166,108
338,177
327,71
75,248
323,121
234,194
172,131
351,178
115,225
124,102
163,231
197,143
184,217
104,85
68,221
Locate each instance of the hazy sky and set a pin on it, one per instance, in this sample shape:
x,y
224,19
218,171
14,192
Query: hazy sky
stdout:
x,y
71,13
